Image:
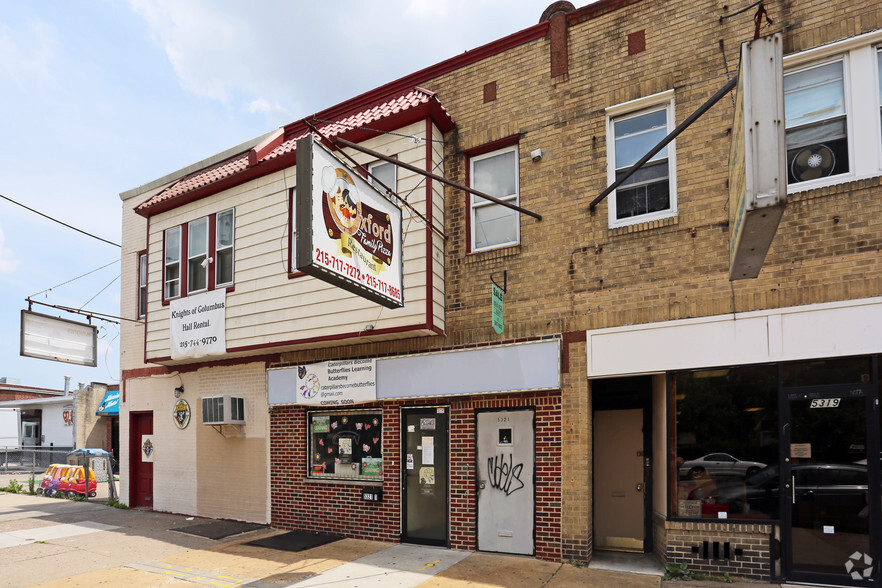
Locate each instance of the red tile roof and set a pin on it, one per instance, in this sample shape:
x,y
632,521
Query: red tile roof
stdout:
x,y
279,150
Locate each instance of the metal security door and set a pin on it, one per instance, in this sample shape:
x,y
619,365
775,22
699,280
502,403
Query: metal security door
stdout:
x,y
829,528
426,458
506,472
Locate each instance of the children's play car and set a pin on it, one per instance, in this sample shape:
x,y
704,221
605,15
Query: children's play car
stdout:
x,y
69,480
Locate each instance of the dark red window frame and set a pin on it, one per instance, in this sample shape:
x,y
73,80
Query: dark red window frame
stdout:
x,y
184,261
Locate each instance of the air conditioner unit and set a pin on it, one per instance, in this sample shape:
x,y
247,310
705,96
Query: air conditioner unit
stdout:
x,y
223,410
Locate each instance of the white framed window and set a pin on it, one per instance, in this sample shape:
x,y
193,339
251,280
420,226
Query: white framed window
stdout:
x,y
496,174
197,255
386,172
223,249
142,285
832,100
172,264
633,129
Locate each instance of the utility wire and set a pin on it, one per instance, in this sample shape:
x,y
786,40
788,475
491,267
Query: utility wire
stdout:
x,y
74,279
99,292
60,222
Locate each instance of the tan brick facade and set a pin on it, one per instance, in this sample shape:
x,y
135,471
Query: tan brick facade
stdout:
x,y
571,272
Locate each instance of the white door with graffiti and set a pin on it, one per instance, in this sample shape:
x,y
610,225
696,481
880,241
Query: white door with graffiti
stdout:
x,y
506,472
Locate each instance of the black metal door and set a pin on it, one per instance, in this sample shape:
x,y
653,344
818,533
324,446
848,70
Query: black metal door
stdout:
x,y
425,467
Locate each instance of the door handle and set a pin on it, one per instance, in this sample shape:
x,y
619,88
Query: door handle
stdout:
x,y
639,487
481,484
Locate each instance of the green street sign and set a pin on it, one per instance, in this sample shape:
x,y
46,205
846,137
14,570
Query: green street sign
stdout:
x,y
497,305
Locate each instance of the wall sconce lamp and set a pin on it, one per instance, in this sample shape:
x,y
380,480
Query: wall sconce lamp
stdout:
x,y
179,390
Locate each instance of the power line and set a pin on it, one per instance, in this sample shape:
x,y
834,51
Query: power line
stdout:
x,y
60,222
73,279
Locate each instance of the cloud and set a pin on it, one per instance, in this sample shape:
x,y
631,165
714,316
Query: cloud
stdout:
x,y
291,59
8,263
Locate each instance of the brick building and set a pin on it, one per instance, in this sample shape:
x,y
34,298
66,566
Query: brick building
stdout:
x,y
635,399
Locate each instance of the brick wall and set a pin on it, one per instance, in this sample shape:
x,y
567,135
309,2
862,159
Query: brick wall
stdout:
x,y
749,548
336,507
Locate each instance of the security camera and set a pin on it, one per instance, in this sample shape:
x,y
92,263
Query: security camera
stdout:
x,y
206,261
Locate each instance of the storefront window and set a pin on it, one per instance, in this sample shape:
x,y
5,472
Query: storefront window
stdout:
x,y
726,424
821,372
346,444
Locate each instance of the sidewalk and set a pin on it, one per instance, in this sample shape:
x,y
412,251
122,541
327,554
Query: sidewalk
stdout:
x,y
53,542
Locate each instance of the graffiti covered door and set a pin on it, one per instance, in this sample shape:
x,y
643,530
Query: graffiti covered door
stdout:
x,y
506,472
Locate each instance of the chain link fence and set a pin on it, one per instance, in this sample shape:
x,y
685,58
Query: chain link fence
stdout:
x,y
31,459
30,463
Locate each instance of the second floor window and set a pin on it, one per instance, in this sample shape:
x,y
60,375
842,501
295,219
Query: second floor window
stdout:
x,y
648,194
142,285
816,122
495,174
386,172
199,255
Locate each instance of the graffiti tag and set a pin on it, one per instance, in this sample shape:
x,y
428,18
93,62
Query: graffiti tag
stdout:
x,y
503,474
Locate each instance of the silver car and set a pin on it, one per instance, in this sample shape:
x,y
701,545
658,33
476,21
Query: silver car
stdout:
x,y
719,464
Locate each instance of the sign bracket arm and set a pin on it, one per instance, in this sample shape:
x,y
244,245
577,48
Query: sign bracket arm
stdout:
x,y
504,286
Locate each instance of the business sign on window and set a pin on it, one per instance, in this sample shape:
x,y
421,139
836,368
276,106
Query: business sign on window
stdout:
x,y
757,157
348,234
49,337
197,325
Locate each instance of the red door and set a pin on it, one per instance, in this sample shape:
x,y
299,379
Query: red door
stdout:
x,y
141,488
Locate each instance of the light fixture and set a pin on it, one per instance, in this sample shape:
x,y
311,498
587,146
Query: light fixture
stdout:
x,y
179,390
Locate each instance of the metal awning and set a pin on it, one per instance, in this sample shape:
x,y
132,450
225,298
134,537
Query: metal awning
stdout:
x,y
109,404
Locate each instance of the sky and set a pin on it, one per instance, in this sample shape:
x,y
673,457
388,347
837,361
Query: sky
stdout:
x,y
99,96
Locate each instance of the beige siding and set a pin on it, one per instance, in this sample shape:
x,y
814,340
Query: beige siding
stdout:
x,y
269,308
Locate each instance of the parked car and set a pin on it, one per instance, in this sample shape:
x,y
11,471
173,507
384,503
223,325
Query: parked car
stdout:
x,y
835,492
719,464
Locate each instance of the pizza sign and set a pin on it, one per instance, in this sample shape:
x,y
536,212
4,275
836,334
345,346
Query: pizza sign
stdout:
x,y
348,234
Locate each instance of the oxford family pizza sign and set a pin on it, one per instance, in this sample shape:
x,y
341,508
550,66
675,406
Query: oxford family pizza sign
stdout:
x,y
347,233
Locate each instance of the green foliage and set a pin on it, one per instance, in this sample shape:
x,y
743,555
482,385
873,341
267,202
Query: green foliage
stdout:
x,y
116,504
677,571
14,486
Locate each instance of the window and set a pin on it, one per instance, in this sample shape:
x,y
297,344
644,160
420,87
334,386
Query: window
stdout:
x,y
172,271
635,128
223,256
725,423
142,285
209,243
197,256
386,172
832,99
495,174
346,444
816,121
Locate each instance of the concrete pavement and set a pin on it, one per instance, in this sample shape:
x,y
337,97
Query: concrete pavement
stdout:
x,y
56,542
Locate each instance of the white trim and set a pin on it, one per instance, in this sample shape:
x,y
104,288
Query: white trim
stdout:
x,y
663,100
858,56
834,329
839,47
515,198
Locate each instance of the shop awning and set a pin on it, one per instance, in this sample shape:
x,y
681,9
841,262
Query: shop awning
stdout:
x,y
109,404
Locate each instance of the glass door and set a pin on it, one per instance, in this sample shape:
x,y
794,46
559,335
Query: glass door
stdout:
x,y
829,530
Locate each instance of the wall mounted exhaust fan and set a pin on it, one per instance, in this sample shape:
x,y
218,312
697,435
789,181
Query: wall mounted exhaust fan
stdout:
x,y
811,163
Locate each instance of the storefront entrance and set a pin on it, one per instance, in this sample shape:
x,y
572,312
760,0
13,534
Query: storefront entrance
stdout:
x,y
830,513
506,472
425,433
